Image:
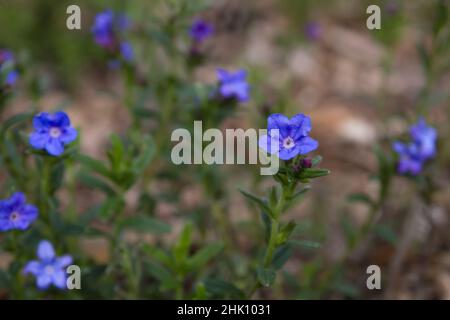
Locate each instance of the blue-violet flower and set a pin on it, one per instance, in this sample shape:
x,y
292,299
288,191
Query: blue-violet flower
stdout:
x,y
52,132
15,213
233,85
288,137
49,269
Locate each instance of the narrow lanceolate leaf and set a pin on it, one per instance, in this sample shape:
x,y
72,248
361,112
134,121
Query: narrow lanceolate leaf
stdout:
x,y
183,244
260,202
305,244
285,232
316,160
93,164
360,197
204,255
14,120
314,173
266,276
146,224
282,254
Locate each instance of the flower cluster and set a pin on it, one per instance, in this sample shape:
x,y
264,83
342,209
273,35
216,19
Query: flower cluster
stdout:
x,y
233,84
52,132
414,154
108,29
288,137
49,269
16,214
200,30
8,74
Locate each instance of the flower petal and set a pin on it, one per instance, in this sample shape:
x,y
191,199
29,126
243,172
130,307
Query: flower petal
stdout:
x,y
60,279
63,261
38,140
32,267
306,145
43,281
45,250
68,135
54,147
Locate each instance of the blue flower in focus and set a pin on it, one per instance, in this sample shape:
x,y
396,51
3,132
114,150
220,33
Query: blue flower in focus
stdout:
x,y
15,213
233,85
414,154
49,269
200,30
288,137
52,132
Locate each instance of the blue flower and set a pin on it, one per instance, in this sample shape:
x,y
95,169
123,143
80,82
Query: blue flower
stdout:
x,y
233,85
425,138
15,213
127,51
414,154
49,269
313,30
200,30
288,137
103,29
52,132
8,74
107,30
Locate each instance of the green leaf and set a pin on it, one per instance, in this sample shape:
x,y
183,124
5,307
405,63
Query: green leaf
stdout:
x,y
146,224
143,160
14,120
205,254
316,160
93,164
260,202
285,232
313,173
223,289
360,197
163,275
266,276
95,182
281,256
307,244
181,248
158,254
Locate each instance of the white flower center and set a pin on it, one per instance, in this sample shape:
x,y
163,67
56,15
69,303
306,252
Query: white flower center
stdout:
x,y
14,216
55,132
288,143
49,270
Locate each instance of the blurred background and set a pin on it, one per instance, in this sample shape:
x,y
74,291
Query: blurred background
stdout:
x,y
361,88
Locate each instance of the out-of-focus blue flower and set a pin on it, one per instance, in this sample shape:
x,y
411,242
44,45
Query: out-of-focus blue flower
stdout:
x,y
200,30
52,132
288,137
425,138
413,155
313,30
103,29
8,74
49,269
15,213
409,158
108,31
127,51
233,85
